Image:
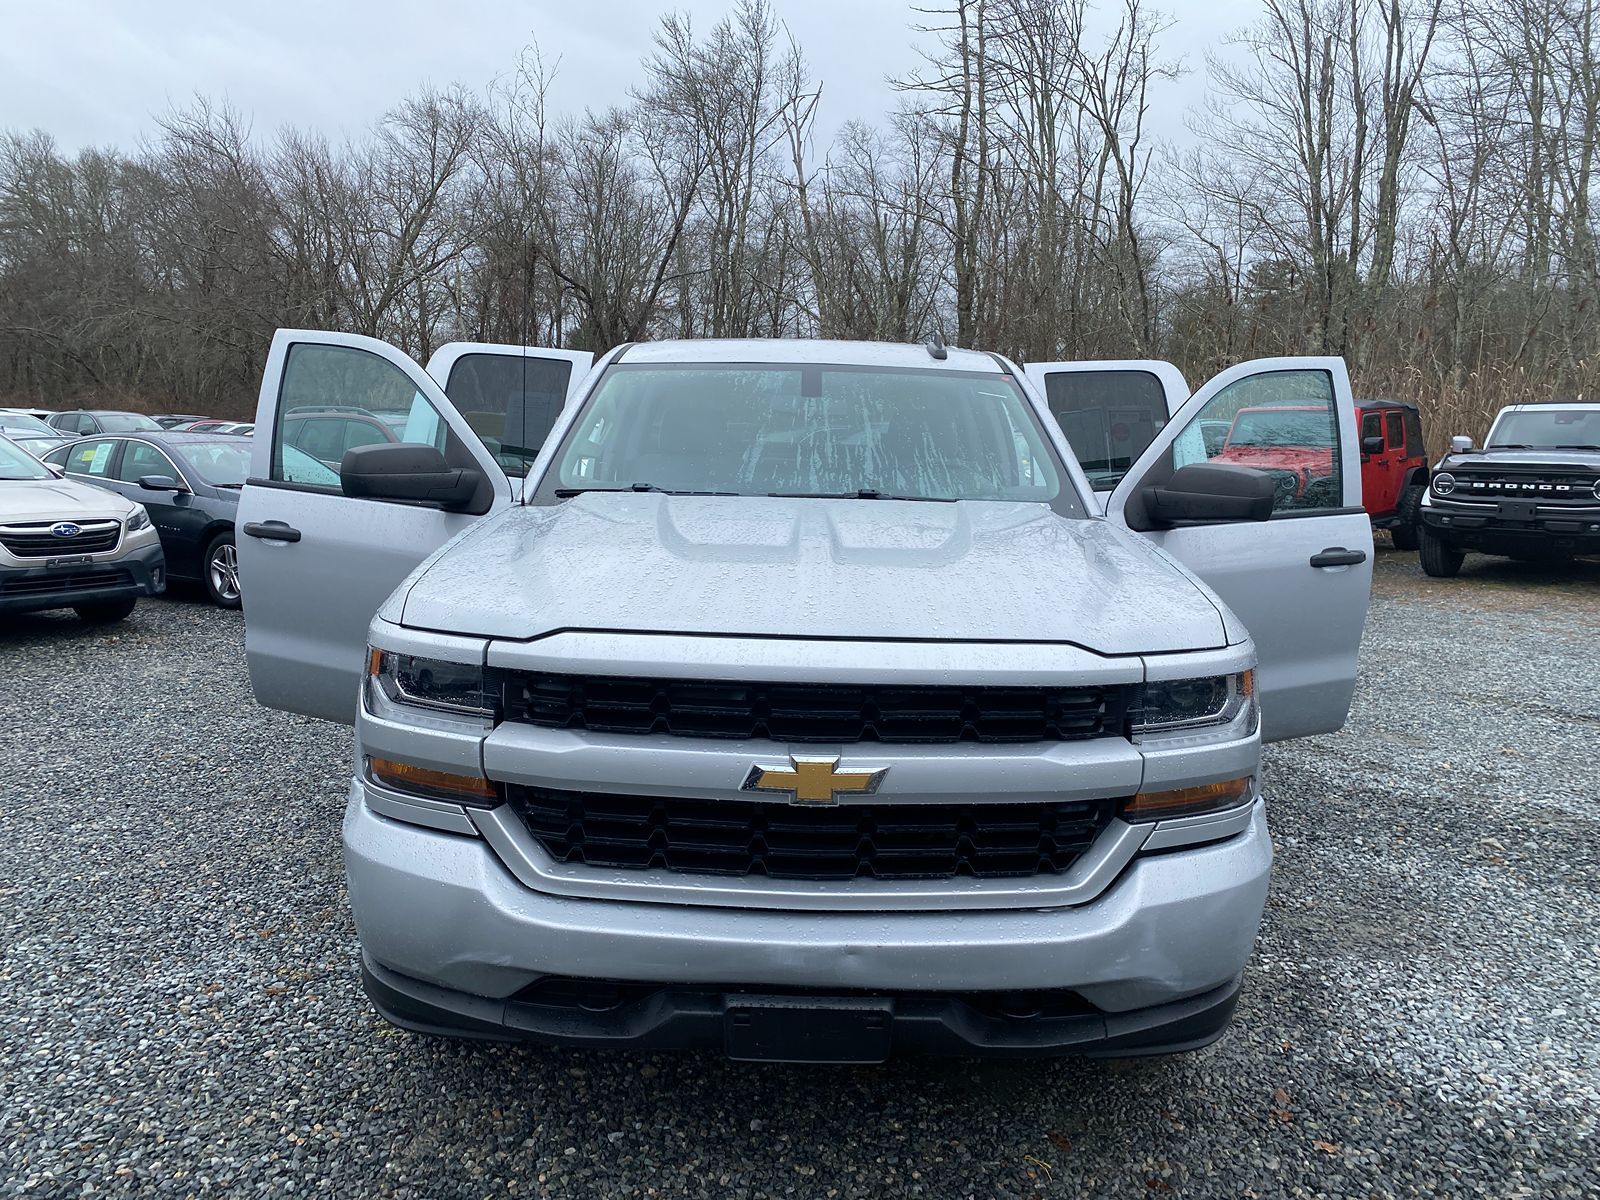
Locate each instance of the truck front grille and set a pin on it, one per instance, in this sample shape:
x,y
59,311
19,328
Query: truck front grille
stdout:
x,y
806,712
786,841
33,539
1547,487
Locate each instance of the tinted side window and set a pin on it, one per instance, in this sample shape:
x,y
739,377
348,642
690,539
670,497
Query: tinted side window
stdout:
x,y
1414,446
140,459
1283,423
372,395
1394,423
511,402
1109,417
1371,425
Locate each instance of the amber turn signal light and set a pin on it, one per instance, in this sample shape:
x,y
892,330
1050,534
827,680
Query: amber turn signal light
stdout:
x,y
425,781
1189,801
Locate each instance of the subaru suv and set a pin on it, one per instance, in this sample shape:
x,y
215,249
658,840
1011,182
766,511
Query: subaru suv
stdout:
x,y
66,545
802,699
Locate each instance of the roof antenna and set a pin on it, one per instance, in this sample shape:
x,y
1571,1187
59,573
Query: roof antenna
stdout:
x,y
936,347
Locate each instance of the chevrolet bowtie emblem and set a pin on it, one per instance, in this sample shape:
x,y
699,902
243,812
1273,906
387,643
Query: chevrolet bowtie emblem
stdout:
x,y
814,780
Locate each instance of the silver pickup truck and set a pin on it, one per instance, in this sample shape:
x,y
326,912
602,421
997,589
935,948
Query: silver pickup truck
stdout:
x,y
798,698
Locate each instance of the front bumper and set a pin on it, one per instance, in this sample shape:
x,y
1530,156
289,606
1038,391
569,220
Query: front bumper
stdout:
x,y
140,571
440,912
806,1026
1512,527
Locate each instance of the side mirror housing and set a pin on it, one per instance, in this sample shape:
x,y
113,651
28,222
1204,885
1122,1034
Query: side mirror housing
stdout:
x,y
56,469
160,483
402,471
1211,494
1460,445
1372,445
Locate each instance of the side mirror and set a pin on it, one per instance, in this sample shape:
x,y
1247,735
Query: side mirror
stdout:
x,y
1372,445
56,469
401,471
160,483
1211,494
1460,445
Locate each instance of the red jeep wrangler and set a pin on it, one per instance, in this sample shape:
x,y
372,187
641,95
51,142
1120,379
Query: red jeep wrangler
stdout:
x,y
1295,444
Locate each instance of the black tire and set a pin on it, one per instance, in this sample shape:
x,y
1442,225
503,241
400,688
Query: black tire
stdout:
x,y
107,611
219,571
1408,519
1439,558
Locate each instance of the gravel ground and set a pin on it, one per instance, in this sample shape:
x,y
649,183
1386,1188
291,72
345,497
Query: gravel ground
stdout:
x,y
183,1016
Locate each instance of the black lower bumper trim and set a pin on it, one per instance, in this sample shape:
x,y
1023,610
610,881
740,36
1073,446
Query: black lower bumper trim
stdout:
x,y
1541,535
793,1027
38,588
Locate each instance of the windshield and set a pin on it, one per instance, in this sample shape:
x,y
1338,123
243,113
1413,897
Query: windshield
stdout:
x,y
859,432
17,463
126,422
24,425
221,464
1554,427
1282,427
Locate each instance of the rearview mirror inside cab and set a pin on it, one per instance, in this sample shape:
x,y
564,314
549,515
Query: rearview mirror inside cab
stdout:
x,y
403,471
1211,493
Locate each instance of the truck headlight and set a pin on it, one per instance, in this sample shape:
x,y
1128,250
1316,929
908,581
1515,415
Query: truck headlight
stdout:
x,y
430,682
1172,704
1443,483
138,519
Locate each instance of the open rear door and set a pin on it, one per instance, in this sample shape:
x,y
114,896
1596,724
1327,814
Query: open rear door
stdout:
x,y
1300,582
315,564
1110,410
509,395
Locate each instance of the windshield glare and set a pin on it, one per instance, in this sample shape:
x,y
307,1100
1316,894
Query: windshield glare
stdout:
x,y
1558,427
121,422
22,423
221,464
756,430
17,463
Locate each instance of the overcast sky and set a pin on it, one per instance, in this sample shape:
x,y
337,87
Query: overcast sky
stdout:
x,y
94,72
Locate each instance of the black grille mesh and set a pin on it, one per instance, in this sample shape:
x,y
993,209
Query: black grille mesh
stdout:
x,y
36,540
787,841
789,712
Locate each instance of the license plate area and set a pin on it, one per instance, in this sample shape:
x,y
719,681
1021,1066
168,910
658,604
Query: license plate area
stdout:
x,y
71,560
808,1029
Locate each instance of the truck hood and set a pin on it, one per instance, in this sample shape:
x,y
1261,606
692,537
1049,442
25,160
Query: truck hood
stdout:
x,y
1490,457
57,499
774,567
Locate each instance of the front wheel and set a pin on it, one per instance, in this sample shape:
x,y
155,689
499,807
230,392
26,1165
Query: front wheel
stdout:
x,y
1439,558
105,612
1408,520
222,571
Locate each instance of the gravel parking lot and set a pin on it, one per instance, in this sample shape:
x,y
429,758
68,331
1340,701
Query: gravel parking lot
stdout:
x,y
182,1014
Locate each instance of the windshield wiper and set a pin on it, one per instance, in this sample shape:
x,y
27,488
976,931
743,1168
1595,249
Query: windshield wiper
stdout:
x,y
568,492
859,494
1574,446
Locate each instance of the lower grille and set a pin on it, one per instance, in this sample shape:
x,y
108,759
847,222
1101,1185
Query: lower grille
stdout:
x,y
787,841
33,539
65,581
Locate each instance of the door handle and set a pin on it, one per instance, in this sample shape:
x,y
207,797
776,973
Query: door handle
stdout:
x,y
1337,556
277,531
